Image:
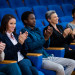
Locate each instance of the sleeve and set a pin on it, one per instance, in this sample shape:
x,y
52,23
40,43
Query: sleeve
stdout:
x,y
2,55
11,51
69,26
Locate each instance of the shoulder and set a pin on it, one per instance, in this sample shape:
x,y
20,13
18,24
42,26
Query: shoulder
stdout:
x,y
24,29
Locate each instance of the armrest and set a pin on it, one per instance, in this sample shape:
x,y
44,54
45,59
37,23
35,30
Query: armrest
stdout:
x,y
57,51
5,62
8,62
34,54
36,59
54,48
72,45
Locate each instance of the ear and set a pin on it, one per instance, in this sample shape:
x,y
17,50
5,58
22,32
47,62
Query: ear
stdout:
x,y
72,15
49,20
25,21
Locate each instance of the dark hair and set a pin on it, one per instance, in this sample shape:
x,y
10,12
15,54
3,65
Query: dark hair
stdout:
x,y
25,16
73,11
4,23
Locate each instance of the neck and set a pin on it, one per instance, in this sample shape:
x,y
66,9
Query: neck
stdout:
x,y
32,27
8,32
73,21
54,25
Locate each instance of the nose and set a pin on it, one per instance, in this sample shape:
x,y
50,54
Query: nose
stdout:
x,y
14,25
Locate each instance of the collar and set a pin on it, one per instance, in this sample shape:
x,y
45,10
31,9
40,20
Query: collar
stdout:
x,y
9,34
30,28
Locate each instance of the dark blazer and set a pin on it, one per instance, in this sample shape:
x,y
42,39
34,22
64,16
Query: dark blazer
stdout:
x,y
11,50
57,39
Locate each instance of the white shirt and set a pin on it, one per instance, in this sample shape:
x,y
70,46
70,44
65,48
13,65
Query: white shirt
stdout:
x,y
14,41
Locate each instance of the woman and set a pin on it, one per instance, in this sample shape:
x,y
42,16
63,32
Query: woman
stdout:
x,y
60,37
14,43
72,23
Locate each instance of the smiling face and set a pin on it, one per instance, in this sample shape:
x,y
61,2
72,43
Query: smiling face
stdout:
x,y
31,20
54,19
11,25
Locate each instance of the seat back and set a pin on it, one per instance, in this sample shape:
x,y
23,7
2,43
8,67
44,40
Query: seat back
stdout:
x,y
8,11
63,24
69,1
19,26
21,10
59,2
66,19
57,9
39,12
3,4
67,9
46,23
44,2
38,23
15,3
31,3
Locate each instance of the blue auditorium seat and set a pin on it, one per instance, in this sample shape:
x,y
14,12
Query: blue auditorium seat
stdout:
x,y
63,24
8,11
44,2
31,3
21,10
16,3
40,73
19,26
59,2
57,52
57,9
38,23
40,11
46,23
47,2
67,9
66,19
69,1
3,4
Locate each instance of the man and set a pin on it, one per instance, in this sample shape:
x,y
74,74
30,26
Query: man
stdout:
x,y
36,41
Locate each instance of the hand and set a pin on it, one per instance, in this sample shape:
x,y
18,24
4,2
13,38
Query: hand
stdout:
x,y
48,33
67,32
2,47
73,32
23,37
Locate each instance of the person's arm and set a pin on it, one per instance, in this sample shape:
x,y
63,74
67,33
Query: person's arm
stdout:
x,y
2,55
2,47
47,33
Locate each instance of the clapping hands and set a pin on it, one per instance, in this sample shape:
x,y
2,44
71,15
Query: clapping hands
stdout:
x,y
48,33
23,37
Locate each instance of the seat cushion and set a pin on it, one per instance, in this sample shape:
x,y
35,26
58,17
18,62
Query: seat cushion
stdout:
x,y
40,73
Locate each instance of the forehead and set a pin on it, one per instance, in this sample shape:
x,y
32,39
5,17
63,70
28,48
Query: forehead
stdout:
x,y
54,14
12,20
31,16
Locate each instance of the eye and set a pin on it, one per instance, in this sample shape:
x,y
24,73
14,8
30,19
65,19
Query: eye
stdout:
x,y
11,23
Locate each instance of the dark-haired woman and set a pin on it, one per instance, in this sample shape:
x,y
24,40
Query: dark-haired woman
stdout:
x,y
14,49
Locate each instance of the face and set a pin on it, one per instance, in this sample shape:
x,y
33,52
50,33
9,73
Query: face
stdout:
x,y
11,25
73,15
54,18
31,20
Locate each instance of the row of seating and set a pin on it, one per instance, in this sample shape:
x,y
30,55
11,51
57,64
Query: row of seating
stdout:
x,y
31,3
39,11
